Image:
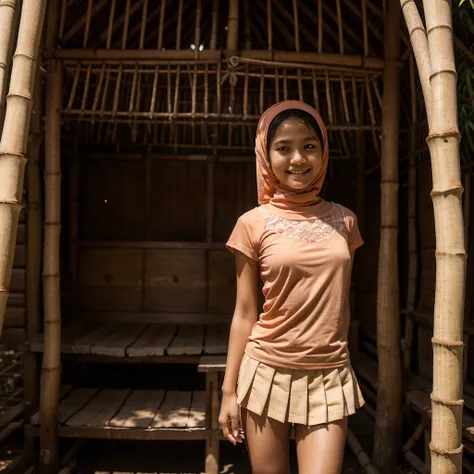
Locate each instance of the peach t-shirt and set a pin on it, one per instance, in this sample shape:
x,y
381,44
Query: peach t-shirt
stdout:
x,y
305,267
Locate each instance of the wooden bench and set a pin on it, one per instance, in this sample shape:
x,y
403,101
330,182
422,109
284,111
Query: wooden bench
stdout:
x,y
140,342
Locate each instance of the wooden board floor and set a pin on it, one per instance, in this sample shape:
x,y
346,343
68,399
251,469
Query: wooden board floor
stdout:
x,y
129,414
137,340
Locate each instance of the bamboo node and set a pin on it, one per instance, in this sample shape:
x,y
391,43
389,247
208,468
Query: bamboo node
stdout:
x,y
439,27
446,452
446,343
449,403
16,94
440,71
449,134
8,4
28,56
4,290
12,203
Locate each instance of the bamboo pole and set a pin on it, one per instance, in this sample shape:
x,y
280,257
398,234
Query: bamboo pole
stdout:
x,y
389,391
434,53
233,28
34,244
13,144
7,24
50,373
412,238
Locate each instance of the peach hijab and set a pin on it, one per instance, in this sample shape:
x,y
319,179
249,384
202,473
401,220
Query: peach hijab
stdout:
x,y
269,189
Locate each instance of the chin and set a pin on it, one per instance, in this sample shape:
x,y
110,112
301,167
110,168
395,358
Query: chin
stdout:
x,y
298,185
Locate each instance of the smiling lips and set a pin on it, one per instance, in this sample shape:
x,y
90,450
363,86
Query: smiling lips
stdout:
x,y
298,172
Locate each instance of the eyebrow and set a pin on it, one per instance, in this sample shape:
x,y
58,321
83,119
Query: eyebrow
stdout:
x,y
306,139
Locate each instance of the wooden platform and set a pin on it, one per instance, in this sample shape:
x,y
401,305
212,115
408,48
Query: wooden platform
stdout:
x,y
129,414
138,341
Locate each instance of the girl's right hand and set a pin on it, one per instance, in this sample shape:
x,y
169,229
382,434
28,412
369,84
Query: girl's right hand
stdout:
x,y
229,419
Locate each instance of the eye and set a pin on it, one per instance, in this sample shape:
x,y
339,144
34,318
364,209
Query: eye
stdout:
x,y
310,146
282,149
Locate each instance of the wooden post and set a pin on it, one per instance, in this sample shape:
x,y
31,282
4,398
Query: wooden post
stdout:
x,y
389,392
50,373
7,29
434,53
212,446
34,227
13,145
233,28
412,238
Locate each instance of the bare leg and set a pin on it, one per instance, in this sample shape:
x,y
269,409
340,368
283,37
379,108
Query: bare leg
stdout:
x,y
320,448
268,443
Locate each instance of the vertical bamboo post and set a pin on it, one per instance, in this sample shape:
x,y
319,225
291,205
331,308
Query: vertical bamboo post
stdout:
x,y
247,23
434,53
7,24
412,239
74,226
233,28
215,17
269,25
13,144
34,226
389,391
50,372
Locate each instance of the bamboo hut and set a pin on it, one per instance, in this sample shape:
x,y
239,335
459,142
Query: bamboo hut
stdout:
x,y
150,110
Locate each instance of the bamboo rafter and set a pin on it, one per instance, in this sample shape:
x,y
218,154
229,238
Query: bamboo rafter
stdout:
x,y
256,82
312,25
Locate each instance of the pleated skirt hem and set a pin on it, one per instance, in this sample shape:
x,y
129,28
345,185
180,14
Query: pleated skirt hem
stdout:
x,y
309,397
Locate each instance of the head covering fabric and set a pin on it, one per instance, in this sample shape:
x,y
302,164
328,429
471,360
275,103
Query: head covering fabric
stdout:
x,y
269,189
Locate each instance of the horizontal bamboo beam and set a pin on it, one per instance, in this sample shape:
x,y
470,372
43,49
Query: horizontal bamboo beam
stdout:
x,y
277,56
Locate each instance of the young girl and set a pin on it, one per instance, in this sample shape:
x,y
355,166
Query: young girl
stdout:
x,y
291,365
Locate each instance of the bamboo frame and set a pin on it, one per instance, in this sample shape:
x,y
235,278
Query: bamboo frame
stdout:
x,y
7,24
13,145
51,369
34,243
434,53
389,390
412,232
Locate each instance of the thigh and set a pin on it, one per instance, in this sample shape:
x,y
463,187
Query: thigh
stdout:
x,y
320,448
267,442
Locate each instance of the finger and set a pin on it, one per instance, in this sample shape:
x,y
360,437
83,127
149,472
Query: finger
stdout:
x,y
234,425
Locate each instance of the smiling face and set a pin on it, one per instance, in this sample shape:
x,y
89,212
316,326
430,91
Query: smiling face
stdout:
x,y
295,153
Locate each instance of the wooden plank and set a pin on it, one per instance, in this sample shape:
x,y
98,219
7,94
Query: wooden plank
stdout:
x,y
153,342
83,344
139,409
18,280
216,339
188,341
116,343
75,402
90,432
100,409
13,338
197,412
174,411
19,260
14,317
155,318
175,280
222,281
64,390
110,279
212,363
16,299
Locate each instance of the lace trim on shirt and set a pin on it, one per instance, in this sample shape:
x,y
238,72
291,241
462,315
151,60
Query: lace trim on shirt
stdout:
x,y
311,230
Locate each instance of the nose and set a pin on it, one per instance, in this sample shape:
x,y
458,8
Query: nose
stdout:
x,y
298,158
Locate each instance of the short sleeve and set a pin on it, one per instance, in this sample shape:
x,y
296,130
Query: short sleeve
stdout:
x,y
354,239
246,236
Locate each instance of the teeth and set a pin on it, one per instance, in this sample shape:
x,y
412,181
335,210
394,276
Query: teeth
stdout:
x,y
298,172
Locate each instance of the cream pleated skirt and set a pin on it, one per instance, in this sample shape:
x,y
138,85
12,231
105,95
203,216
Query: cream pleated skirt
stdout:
x,y
307,397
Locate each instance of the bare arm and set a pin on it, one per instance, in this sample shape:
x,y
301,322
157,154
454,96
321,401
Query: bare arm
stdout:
x,y
245,316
